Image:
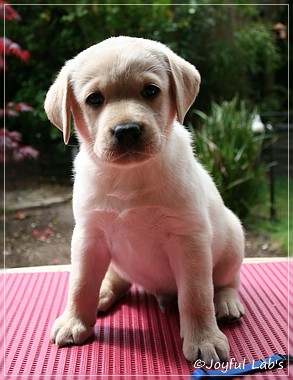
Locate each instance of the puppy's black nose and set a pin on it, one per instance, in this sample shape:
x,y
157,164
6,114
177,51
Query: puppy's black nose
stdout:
x,y
128,134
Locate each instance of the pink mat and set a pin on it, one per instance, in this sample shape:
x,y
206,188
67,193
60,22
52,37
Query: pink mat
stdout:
x,y
135,339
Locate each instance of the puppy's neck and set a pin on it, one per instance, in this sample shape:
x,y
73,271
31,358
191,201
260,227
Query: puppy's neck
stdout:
x,y
135,182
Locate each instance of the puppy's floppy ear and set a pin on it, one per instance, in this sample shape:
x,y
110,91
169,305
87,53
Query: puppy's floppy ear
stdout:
x,y
58,103
185,83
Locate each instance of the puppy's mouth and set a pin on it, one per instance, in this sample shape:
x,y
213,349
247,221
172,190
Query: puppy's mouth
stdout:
x,y
130,157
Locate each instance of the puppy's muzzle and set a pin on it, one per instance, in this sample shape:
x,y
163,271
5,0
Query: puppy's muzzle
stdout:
x,y
128,136
131,143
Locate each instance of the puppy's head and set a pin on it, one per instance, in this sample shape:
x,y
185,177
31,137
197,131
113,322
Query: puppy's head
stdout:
x,y
124,94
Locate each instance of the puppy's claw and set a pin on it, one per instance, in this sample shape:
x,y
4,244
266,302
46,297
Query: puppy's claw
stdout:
x,y
67,343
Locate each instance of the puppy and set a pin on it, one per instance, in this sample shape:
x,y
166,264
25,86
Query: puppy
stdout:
x,y
146,211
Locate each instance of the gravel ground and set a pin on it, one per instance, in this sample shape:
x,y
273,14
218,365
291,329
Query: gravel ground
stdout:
x,y
41,235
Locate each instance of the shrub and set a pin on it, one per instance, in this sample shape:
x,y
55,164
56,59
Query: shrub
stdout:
x,y
230,150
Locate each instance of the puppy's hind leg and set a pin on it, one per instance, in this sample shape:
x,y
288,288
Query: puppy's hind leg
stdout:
x,y
228,306
112,289
226,273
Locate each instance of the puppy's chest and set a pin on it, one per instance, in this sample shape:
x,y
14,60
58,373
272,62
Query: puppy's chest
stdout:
x,y
147,225
140,240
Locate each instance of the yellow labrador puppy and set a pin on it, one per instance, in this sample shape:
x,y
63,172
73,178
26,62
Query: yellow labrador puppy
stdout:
x,y
146,211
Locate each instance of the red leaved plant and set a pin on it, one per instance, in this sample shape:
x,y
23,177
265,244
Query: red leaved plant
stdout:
x,y
10,141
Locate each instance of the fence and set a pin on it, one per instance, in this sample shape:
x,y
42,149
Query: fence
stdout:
x,y
276,153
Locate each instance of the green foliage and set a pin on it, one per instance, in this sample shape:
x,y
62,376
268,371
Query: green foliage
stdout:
x,y
255,38
230,150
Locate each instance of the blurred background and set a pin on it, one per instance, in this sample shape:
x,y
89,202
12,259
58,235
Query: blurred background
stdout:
x,y
240,120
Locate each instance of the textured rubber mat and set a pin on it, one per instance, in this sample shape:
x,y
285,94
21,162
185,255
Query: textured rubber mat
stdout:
x,y
135,340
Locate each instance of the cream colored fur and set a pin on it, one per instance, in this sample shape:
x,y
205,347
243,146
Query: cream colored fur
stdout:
x,y
149,215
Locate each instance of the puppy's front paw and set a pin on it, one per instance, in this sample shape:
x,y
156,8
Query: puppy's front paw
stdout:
x,y
69,330
209,346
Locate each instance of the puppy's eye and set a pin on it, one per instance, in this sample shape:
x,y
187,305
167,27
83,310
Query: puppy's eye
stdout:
x,y
150,91
95,99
